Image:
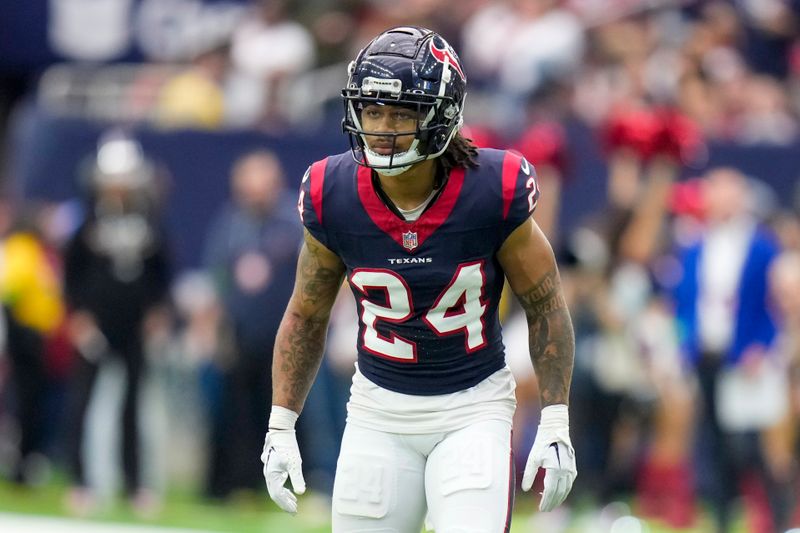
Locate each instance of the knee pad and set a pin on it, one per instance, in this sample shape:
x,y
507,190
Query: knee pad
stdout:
x,y
363,486
468,485
466,466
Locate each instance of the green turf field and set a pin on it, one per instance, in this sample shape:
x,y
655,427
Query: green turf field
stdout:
x,y
254,513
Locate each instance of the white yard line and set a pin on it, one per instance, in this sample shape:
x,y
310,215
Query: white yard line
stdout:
x,y
15,523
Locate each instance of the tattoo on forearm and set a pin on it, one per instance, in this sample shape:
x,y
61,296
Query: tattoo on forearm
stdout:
x,y
298,355
301,337
552,341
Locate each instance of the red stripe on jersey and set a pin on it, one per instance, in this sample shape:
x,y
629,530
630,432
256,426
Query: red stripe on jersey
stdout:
x,y
425,225
511,165
442,207
317,178
512,480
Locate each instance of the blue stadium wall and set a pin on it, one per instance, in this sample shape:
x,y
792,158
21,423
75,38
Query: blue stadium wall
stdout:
x,y
48,153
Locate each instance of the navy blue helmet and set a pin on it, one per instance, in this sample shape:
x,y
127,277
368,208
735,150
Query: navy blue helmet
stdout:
x,y
410,67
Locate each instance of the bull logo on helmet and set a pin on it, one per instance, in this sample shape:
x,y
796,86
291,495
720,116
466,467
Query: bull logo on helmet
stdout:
x,y
440,54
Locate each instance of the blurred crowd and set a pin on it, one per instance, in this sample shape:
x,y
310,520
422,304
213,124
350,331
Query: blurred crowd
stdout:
x,y
729,66
684,286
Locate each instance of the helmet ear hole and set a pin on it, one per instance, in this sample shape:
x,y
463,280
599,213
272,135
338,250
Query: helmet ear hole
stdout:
x,y
439,141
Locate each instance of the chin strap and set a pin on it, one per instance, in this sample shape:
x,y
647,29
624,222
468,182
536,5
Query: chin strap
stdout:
x,y
374,161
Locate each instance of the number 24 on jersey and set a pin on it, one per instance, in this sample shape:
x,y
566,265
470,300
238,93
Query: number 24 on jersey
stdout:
x,y
459,309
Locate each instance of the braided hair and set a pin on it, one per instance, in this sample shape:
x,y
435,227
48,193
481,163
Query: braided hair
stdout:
x,y
461,152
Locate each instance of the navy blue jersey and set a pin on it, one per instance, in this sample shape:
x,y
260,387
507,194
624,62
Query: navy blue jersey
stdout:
x,y
428,290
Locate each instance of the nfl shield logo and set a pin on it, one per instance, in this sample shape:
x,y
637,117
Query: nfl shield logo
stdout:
x,y
410,240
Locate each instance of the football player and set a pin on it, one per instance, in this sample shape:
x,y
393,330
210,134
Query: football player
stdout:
x,y
424,227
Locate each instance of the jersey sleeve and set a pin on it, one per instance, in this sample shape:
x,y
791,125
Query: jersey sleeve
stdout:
x,y
311,205
520,191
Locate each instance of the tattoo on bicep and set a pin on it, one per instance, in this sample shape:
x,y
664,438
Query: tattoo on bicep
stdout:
x,y
551,338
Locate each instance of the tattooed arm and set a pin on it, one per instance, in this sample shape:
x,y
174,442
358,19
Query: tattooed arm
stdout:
x,y
296,359
531,270
301,335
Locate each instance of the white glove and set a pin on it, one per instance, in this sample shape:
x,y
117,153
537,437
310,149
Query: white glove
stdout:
x,y
553,451
281,458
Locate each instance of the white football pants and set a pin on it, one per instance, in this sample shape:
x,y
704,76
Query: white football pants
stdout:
x,y
385,482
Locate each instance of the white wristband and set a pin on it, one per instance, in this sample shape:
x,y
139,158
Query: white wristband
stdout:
x,y
554,416
282,418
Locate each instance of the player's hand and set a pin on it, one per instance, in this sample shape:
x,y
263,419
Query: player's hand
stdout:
x,y
553,451
281,458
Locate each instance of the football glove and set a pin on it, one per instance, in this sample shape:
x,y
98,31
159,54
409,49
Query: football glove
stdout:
x,y
553,451
281,458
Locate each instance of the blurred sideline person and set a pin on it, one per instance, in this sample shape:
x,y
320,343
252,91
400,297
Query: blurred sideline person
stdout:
x,y
425,228
722,307
645,150
31,293
251,252
116,281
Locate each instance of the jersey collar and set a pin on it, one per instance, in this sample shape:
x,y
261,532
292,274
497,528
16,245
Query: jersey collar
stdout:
x,y
409,235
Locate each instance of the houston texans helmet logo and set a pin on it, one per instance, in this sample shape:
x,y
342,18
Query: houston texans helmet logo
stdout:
x,y
441,53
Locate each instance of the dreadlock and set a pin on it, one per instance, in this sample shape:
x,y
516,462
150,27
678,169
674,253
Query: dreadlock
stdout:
x,y
461,152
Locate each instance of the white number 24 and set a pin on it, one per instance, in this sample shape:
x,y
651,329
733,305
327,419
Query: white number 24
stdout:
x,y
458,309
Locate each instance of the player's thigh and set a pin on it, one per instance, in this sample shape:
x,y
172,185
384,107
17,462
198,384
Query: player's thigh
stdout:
x,y
379,485
469,480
